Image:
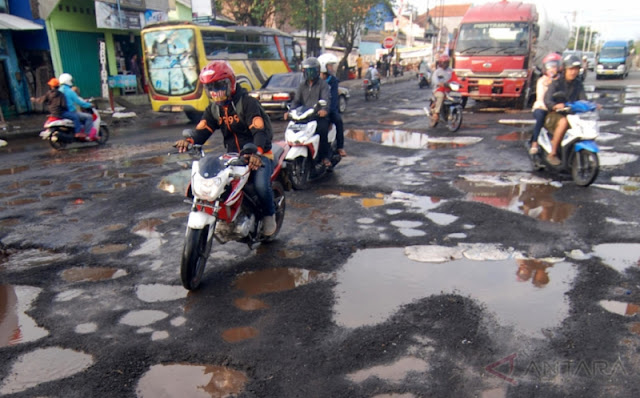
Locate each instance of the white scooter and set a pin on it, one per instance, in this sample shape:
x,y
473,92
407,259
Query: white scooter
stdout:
x,y
578,150
302,157
60,132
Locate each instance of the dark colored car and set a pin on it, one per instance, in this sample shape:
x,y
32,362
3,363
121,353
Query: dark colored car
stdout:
x,y
280,89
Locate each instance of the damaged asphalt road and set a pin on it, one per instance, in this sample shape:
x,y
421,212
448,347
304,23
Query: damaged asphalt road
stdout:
x,y
429,264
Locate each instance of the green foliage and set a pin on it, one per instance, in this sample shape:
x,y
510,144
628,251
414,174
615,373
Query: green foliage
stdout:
x,y
253,12
583,39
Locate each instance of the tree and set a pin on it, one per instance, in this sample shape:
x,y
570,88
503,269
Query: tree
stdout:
x,y
254,12
307,15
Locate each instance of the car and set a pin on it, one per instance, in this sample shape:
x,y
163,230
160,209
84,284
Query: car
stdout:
x,y
591,60
280,89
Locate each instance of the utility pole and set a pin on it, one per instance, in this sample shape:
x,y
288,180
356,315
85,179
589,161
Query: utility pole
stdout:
x,y
575,40
590,37
324,22
584,41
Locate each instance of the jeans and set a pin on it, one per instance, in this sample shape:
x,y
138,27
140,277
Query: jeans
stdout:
x,y
539,115
336,119
74,118
262,183
323,131
87,120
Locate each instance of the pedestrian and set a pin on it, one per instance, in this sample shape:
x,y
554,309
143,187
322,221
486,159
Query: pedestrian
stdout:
x,y
134,68
359,66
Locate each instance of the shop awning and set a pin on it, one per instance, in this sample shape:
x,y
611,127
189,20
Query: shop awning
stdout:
x,y
11,22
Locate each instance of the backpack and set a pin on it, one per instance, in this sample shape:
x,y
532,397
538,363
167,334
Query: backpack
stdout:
x,y
239,108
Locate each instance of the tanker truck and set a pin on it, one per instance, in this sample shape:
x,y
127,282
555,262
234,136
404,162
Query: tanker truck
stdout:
x,y
498,49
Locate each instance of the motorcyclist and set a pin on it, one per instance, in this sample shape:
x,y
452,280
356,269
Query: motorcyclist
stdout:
x,y
56,102
440,83
221,88
573,90
550,69
373,75
75,104
423,68
327,70
309,93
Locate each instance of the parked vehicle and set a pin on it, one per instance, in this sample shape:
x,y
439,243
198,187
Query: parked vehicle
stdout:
x,y
499,48
614,59
279,90
578,150
451,110
61,132
225,207
591,60
370,90
304,164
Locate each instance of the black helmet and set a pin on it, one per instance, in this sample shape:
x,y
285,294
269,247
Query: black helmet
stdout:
x,y
571,61
311,68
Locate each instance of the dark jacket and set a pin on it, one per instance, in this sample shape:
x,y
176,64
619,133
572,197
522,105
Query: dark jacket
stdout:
x,y
333,82
55,100
236,132
310,95
574,91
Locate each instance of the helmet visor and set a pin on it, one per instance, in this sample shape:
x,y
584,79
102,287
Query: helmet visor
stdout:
x,y
311,73
219,91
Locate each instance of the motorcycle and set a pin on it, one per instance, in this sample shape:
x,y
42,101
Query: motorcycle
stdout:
x,y
451,109
225,206
304,143
371,90
424,79
578,150
60,132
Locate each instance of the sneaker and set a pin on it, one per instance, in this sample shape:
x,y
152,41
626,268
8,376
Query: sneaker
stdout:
x,y
553,160
269,225
533,150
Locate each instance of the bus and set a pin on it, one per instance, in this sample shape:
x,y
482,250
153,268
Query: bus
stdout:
x,y
175,52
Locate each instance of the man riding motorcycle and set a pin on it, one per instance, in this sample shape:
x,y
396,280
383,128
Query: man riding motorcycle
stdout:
x,y
440,83
238,128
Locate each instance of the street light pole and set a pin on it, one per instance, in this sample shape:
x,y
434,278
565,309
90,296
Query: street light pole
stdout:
x,y
324,22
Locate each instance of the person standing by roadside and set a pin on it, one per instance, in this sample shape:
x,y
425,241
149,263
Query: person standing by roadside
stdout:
x,y
359,66
134,67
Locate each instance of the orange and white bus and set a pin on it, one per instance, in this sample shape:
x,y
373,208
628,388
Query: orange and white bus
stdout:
x,y
175,52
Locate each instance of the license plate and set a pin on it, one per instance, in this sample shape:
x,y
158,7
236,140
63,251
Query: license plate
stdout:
x,y
609,72
176,108
485,82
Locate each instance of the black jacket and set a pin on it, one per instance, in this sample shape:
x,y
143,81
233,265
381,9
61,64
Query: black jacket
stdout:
x,y
236,132
574,91
56,102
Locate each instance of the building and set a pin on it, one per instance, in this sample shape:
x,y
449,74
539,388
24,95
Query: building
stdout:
x,y
443,19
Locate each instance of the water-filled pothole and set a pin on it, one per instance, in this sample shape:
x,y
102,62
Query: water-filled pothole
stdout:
x,y
409,139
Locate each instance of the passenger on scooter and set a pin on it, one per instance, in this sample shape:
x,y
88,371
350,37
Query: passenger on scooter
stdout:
x,y
550,70
327,69
56,102
573,89
373,76
440,83
309,93
75,104
221,88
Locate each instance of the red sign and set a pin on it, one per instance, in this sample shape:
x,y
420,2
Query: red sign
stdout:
x,y
388,42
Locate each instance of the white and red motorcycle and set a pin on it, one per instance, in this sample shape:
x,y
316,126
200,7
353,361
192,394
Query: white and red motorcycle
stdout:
x,y
225,206
60,132
302,157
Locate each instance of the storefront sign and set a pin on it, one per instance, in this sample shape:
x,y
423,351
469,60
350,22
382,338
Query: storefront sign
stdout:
x,y
123,81
108,17
103,69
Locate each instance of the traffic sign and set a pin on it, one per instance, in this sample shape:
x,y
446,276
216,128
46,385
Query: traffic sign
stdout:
x,y
388,42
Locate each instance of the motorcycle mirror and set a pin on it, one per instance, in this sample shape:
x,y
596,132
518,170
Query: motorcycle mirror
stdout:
x,y
187,133
322,103
249,149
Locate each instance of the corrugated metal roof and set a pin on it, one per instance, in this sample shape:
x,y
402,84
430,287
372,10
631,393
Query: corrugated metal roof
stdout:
x,y
11,22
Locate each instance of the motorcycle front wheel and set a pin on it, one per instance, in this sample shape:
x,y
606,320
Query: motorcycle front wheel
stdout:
x,y
281,205
454,120
300,173
103,135
194,257
585,167
366,95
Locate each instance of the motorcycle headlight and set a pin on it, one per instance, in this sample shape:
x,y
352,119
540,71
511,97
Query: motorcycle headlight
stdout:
x,y
207,188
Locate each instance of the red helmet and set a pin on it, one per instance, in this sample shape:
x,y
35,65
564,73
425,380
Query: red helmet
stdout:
x,y
444,59
550,60
219,81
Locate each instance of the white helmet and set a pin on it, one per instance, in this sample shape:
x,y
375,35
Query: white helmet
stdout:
x,y
66,78
325,59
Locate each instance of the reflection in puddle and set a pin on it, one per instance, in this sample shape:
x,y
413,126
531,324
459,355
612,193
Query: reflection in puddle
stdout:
x,y
15,325
287,253
147,229
44,365
239,334
619,256
391,122
514,136
393,373
517,122
409,139
13,170
156,292
108,249
91,274
190,381
630,110
277,280
517,193
620,308
249,304
29,259
375,283
176,182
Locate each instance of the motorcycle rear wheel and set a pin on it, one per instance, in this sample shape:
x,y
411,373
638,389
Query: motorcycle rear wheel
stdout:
x,y
194,257
366,95
103,136
584,168
56,143
300,173
455,119
281,205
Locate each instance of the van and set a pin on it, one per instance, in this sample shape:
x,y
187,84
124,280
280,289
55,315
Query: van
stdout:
x,y
614,59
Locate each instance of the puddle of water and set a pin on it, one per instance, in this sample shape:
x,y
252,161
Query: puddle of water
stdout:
x,y
517,122
180,214
147,229
619,256
372,202
517,193
620,308
143,317
375,283
31,258
176,182
236,335
156,292
612,159
514,136
190,381
393,373
391,122
44,365
276,280
15,325
91,274
289,254
55,194
9,222
109,249
86,328
20,202
409,139
115,227
13,170
452,142
249,304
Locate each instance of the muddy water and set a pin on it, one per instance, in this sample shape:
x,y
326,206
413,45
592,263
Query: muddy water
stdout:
x,y
236,335
191,381
409,139
91,274
529,295
517,193
276,280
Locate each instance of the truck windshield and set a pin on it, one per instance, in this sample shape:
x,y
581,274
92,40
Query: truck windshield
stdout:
x,y
612,52
494,38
